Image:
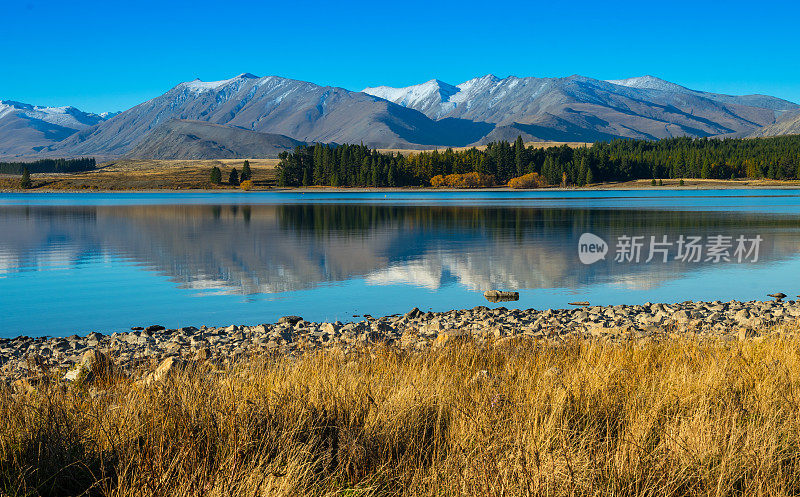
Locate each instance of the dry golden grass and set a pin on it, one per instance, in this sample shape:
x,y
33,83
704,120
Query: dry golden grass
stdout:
x,y
701,184
142,174
586,418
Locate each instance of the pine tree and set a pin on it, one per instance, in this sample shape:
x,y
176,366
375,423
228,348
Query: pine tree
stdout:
x,y
25,181
589,176
582,170
660,182
705,173
233,179
305,177
771,172
216,176
519,155
246,173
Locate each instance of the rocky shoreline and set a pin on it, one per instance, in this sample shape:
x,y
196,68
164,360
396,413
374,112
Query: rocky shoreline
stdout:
x,y
140,350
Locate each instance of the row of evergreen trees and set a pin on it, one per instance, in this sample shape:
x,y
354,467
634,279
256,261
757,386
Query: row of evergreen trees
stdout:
x,y
49,166
344,165
234,177
617,160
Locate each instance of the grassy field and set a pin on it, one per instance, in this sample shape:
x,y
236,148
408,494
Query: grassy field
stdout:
x,y
696,183
541,144
683,417
149,175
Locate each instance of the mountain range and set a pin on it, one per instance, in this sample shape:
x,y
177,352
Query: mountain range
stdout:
x,y
26,129
248,116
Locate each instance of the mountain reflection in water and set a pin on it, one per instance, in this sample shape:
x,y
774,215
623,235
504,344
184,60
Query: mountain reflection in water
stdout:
x,y
380,257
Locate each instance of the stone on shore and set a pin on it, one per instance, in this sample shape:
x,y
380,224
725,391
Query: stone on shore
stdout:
x,y
168,367
94,365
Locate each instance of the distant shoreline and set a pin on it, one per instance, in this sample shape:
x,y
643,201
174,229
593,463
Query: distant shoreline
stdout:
x,y
624,186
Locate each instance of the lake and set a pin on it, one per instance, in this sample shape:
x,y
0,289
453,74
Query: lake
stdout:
x,y
82,262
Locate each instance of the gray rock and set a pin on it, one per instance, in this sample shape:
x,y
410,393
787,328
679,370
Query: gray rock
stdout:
x,y
413,313
167,368
330,328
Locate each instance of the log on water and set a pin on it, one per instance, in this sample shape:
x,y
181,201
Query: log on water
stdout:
x,y
499,296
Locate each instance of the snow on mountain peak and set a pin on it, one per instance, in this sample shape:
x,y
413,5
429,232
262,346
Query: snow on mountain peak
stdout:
x,y
66,116
409,96
199,86
647,82
471,88
5,108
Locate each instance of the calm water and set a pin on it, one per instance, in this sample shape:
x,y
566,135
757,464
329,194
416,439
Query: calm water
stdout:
x,y
75,263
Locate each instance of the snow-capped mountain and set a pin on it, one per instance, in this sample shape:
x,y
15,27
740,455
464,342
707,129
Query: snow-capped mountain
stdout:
x,y
68,117
25,127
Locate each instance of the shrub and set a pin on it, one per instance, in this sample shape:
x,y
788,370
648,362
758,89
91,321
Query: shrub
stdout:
x,y
246,185
530,180
466,180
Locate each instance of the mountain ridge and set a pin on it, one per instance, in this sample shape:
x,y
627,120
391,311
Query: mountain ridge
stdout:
x,y
430,114
27,128
788,124
636,107
184,139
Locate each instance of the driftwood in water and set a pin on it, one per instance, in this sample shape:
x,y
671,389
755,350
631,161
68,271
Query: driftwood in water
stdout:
x,y
498,296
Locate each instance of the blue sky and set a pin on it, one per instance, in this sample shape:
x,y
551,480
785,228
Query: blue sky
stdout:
x,y
108,56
